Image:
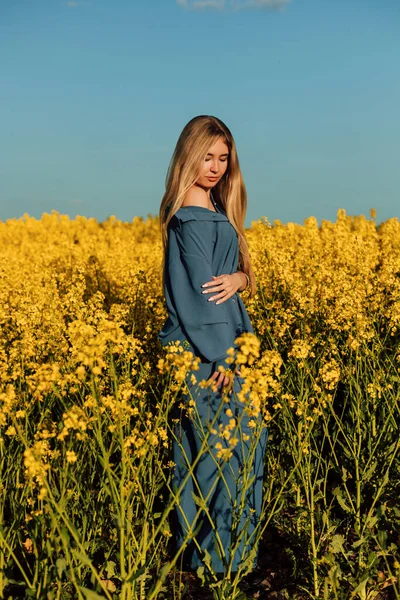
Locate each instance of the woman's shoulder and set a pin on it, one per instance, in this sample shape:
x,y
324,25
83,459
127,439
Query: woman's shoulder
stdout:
x,y
198,213
195,207
189,213
195,196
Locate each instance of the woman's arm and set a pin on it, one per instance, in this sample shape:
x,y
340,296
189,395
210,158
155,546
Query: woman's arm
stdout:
x,y
189,267
244,279
225,286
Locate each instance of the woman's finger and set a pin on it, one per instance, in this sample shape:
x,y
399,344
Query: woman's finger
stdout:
x,y
210,290
221,379
223,294
216,281
216,375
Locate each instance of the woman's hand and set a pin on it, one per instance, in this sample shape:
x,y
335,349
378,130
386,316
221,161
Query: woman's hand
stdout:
x,y
222,379
225,285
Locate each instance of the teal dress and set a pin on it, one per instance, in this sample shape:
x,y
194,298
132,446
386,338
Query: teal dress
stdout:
x,y
218,515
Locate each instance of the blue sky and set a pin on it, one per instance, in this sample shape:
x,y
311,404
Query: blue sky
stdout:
x,y
95,93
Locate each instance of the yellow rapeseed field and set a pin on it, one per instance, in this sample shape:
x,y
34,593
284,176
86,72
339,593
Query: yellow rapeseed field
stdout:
x,y
86,389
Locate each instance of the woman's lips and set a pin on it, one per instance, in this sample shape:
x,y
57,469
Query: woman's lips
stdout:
x,y
212,178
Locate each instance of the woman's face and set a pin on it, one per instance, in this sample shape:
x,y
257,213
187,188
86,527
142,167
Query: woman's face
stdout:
x,y
214,165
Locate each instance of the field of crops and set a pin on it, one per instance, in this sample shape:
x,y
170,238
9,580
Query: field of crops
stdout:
x,y
86,391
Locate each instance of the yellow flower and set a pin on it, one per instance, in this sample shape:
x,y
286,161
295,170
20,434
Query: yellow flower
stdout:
x,y
71,456
28,546
41,496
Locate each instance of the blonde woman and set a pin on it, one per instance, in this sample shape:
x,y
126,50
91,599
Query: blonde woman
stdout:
x,y
206,264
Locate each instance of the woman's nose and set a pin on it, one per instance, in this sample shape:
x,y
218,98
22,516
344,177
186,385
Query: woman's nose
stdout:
x,y
214,167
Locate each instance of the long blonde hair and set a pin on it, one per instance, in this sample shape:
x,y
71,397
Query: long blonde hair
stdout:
x,y
196,138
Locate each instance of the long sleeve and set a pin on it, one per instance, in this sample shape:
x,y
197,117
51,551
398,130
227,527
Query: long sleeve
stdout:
x,y
190,266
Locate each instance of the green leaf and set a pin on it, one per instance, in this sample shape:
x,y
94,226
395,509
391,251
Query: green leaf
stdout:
x,y
360,590
139,575
372,558
339,497
200,574
247,565
337,544
110,569
207,560
199,501
371,522
83,558
15,582
369,472
345,474
396,511
90,594
61,565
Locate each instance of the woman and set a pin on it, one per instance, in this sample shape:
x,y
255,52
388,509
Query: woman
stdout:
x,y
206,262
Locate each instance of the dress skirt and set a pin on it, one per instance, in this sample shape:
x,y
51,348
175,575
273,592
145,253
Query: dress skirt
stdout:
x,y
218,477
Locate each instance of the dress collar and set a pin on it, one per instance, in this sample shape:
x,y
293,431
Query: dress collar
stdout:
x,y
199,213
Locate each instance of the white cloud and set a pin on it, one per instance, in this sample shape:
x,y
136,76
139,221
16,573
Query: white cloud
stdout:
x,y
201,4
74,3
232,4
